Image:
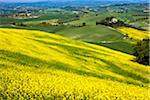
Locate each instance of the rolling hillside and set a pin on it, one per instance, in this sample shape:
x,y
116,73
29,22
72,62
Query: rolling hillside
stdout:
x,y
91,33
97,34
39,65
100,35
134,33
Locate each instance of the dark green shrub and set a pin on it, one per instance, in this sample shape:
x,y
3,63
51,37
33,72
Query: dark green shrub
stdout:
x,y
84,24
142,51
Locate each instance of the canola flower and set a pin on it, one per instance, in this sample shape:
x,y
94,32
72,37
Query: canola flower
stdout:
x,y
27,84
134,33
41,66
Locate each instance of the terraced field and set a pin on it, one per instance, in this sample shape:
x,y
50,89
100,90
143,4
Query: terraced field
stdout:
x,y
39,65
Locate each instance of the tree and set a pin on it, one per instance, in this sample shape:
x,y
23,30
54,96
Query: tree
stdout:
x,y
21,24
84,24
13,23
60,22
142,51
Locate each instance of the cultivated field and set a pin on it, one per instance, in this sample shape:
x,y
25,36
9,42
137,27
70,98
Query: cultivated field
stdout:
x,y
134,33
40,65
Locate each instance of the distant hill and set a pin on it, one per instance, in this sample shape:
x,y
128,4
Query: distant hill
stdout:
x,y
39,65
58,3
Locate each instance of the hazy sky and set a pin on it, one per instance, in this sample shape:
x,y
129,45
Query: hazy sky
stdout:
x,y
53,0
20,0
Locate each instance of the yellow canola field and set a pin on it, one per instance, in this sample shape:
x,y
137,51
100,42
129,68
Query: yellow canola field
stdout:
x,y
43,66
134,33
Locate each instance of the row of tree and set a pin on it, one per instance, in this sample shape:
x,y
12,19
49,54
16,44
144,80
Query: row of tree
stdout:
x,y
114,22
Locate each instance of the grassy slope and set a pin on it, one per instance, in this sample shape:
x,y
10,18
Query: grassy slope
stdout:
x,y
97,34
36,64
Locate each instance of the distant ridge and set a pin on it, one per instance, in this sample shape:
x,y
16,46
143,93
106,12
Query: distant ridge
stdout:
x,y
74,2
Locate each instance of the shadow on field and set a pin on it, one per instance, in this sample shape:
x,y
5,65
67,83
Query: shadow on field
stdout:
x,y
70,49
25,60
112,67
122,46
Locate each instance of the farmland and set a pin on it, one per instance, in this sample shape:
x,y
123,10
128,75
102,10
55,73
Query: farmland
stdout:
x,y
79,50
134,33
64,22
40,65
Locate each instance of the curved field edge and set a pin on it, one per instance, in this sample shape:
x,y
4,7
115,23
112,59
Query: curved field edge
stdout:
x,y
35,64
134,33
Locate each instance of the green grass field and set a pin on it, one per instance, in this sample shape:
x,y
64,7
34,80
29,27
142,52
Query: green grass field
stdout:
x,y
97,34
40,65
